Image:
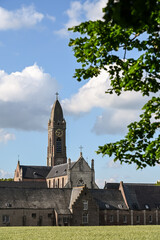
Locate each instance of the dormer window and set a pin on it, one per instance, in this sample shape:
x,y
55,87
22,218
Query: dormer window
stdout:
x,y
146,206
107,206
120,206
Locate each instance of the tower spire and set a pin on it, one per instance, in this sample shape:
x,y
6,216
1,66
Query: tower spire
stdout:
x,y
56,150
57,95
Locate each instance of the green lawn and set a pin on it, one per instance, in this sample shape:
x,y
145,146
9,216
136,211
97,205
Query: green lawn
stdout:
x,y
81,233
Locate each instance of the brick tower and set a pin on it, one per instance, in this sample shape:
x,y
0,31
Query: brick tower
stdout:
x,y
56,150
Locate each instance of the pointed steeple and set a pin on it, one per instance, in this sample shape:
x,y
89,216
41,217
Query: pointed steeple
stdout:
x,y
56,151
56,113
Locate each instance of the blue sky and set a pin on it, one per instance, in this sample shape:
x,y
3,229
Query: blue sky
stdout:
x,y
35,63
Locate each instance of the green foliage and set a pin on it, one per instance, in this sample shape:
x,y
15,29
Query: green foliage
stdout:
x,y
128,26
158,183
139,146
6,179
79,233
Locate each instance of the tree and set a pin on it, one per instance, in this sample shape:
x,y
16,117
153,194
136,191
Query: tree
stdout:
x,y
6,179
128,25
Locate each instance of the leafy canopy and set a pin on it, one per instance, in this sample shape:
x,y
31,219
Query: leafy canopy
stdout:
x,y
127,25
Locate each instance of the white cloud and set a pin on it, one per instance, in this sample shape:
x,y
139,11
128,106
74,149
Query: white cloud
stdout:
x,y
118,111
5,136
113,179
100,182
114,121
93,9
92,94
52,18
20,18
4,174
25,98
79,12
112,164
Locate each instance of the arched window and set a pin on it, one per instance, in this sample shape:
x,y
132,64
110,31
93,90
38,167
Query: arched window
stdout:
x,y
80,183
49,183
85,218
53,183
59,145
58,183
62,182
50,145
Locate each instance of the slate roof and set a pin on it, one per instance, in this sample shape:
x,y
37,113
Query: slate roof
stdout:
x,y
23,198
23,184
35,172
59,170
111,186
108,199
142,196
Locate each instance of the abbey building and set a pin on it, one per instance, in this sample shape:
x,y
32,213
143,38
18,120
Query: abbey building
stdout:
x,y
64,192
58,173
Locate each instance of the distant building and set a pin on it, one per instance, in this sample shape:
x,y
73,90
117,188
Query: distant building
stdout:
x,y
65,193
58,173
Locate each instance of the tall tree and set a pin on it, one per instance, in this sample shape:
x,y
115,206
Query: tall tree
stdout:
x,y
131,25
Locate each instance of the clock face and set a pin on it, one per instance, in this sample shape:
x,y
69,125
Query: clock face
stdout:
x,y
59,133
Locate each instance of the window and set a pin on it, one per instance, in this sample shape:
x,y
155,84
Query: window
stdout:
x,y
33,215
58,183
124,219
85,218
85,205
65,220
62,182
150,218
120,206
59,145
80,183
147,207
111,218
49,215
107,206
138,219
5,219
50,145
49,183
53,183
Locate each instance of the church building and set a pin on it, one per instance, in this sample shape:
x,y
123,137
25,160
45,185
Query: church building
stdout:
x,y
64,192
58,173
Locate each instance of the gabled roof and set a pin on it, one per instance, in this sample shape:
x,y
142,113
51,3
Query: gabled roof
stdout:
x,y
108,199
59,170
81,159
142,196
23,198
35,172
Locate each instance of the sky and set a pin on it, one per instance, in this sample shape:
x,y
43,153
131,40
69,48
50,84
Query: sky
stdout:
x,y
35,63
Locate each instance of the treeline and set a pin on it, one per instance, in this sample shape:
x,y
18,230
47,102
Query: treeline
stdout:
x,y
6,179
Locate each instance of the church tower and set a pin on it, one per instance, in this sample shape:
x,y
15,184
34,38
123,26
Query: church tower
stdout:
x,y
56,150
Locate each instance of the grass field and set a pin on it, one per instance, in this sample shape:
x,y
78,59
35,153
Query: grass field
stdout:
x,y
81,233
